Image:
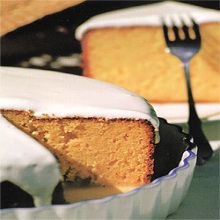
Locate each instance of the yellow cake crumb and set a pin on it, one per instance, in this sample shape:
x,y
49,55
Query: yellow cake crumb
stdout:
x,y
96,150
136,58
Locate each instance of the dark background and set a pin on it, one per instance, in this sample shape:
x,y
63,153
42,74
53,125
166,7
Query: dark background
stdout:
x,y
54,34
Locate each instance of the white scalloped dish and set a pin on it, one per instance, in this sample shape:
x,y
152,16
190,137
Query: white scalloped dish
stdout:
x,y
155,200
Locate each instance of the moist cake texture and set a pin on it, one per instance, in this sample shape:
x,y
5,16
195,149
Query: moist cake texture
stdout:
x,y
127,47
100,134
100,151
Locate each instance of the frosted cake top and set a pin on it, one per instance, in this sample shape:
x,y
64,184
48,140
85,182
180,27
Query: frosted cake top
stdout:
x,y
64,95
150,15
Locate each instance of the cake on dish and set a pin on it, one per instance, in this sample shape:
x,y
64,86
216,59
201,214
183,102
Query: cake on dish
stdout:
x,y
101,134
127,47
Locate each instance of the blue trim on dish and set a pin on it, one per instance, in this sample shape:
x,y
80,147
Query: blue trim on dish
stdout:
x,y
156,182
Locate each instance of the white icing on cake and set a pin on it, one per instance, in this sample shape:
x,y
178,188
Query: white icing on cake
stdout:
x,y
57,95
148,15
64,95
27,163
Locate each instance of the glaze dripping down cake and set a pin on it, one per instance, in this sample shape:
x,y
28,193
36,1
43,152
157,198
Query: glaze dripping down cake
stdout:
x,y
127,47
101,134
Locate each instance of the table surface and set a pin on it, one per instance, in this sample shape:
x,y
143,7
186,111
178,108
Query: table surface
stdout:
x,y
202,199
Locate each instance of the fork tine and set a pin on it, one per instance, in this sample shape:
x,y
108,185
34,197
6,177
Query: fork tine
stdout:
x,y
196,29
165,31
176,31
185,30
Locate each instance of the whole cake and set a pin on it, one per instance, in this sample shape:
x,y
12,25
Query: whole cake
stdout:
x,y
101,135
127,47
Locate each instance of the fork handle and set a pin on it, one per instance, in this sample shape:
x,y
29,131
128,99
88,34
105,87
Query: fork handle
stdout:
x,y
195,127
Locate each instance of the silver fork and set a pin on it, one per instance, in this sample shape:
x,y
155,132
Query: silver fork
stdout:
x,y
185,49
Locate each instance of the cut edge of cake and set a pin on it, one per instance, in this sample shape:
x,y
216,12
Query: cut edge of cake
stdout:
x,y
117,141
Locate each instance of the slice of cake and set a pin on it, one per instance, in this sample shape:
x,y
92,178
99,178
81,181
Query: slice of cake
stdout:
x,y
101,135
127,47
